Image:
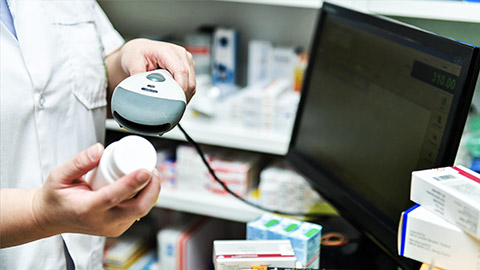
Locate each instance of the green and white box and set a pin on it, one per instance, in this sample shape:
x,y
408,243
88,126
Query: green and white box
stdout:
x,y
306,244
283,229
258,228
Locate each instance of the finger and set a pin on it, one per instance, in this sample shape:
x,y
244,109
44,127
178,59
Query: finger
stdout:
x,y
149,195
185,76
137,66
119,229
175,61
141,205
181,73
80,164
191,77
187,59
120,190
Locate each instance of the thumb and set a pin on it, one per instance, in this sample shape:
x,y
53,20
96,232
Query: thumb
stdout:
x,y
82,163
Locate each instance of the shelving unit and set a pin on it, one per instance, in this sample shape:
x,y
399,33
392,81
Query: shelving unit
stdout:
x,y
207,204
287,3
453,10
437,10
289,22
206,132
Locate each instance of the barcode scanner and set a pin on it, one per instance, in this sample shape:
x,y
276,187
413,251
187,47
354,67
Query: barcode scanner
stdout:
x,y
149,103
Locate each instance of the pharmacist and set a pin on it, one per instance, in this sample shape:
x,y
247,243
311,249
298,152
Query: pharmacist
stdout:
x,y
58,58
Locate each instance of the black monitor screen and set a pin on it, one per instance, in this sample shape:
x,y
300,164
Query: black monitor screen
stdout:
x,y
380,100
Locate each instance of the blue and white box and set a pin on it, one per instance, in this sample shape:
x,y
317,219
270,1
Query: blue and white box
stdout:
x,y
426,237
224,56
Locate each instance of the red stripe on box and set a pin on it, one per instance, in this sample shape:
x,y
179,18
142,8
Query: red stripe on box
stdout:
x,y
183,242
467,174
252,255
198,49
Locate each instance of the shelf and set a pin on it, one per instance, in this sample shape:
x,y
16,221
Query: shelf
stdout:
x,y
208,204
437,10
449,10
313,4
288,3
206,132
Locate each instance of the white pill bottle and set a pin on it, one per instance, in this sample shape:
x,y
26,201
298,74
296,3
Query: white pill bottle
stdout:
x,y
123,157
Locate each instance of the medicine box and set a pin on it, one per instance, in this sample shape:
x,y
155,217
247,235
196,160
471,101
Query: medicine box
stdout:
x,y
244,254
181,245
283,229
282,188
238,170
199,45
258,228
452,193
306,244
125,251
258,61
224,56
304,236
282,63
426,237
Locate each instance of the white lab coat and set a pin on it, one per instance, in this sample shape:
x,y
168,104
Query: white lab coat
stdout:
x,y
52,102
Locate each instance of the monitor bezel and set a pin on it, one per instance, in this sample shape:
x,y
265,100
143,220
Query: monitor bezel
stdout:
x,y
352,207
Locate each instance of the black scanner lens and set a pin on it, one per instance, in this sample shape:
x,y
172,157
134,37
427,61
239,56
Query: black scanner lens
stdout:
x,y
140,128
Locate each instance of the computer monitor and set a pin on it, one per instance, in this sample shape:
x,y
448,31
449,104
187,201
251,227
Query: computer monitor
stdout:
x,y
380,99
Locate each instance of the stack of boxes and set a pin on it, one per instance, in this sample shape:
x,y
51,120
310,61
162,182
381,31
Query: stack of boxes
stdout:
x,y
268,107
241,254
166,168
269,101
444,227
267,62
304,236
282,188
127,252
237,170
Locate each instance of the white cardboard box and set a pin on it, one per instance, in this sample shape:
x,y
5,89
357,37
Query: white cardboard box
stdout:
x,y
452,193
243,254
258,61
182,245
426,237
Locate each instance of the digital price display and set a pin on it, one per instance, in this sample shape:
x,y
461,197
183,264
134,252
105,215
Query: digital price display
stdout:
x,y
434,76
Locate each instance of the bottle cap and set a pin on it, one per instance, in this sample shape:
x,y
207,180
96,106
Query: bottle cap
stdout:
x,y
132,153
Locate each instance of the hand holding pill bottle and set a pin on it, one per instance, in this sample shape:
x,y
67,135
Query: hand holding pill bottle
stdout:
x,y
122,157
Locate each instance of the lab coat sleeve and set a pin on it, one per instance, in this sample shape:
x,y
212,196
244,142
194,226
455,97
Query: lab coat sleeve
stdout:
x,y
110,38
